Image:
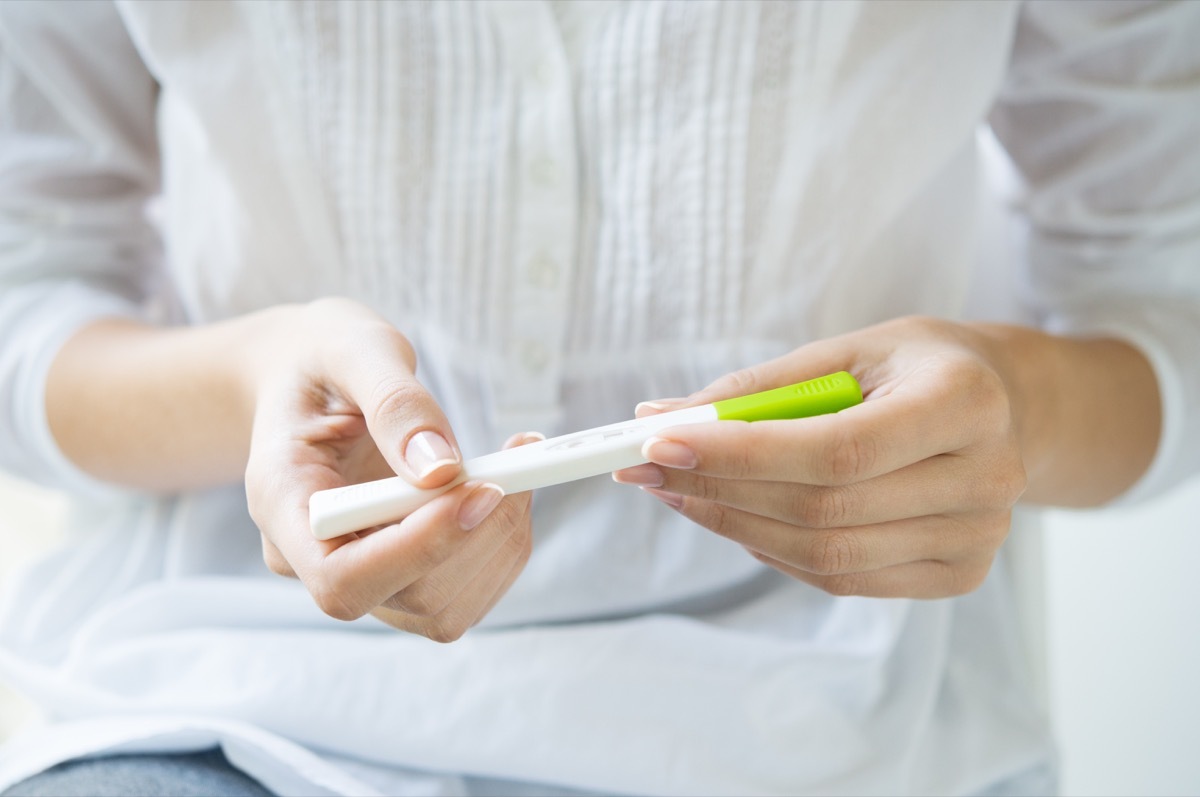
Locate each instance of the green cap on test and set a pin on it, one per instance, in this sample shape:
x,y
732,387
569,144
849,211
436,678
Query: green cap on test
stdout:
x,y
819,396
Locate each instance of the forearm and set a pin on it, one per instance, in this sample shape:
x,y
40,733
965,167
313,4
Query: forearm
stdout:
x,y
1087,413
155,408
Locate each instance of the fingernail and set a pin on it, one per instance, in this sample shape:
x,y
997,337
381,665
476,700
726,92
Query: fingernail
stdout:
x,y
523,439
659,405
670,499
478,505
640,476
669,453
427,452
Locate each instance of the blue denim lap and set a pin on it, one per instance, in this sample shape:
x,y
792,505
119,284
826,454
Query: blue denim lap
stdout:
x,y
204,774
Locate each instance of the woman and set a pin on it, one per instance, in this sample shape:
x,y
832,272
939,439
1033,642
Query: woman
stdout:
x,y
558,211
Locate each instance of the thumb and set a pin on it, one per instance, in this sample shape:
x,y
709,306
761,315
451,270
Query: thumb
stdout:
x,y
408,427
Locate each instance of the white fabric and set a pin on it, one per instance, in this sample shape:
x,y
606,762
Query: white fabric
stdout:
x,y
568,208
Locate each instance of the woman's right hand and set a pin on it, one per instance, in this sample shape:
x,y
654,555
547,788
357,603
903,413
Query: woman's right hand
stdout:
x,y
336,402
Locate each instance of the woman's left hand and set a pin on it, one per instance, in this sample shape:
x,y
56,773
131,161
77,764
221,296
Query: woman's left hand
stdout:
x,y
908,494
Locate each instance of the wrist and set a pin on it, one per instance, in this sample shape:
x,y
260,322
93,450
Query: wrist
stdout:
x,y
168,407
1086,411
260,346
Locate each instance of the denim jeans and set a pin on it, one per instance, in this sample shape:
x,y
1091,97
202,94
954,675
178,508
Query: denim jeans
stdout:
x,y
203,774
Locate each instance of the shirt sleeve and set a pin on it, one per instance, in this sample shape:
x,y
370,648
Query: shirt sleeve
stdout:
x,y
1101,116
78,165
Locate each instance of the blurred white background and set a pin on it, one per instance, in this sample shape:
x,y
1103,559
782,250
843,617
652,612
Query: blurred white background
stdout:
x,y
1119,603
1122,596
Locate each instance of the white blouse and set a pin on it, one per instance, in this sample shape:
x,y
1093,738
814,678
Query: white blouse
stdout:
x,y
568,208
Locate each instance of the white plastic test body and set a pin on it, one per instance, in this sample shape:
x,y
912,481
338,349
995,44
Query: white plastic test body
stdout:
x,y
569,457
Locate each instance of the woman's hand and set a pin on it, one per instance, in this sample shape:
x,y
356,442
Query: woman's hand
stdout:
x,y
295,399
337,403
910,493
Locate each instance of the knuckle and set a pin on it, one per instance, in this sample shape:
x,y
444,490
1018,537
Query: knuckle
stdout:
x,y
979,384
824,508
844,585
1011,482
705,489
393,617
742,463
916,328
509,513
715,517
257,516
997,530
738,383
921,325
762,557
404,348
978,574
522,540
275,561
258,486
979,387
350,316
835,553
978,534
849,457
992,405
968,577
333,603
393,396
1002,482
519,544
426,598
446,629
972,383
425,556
525,551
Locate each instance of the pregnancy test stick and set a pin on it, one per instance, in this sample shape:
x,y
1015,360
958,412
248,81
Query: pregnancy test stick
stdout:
x,y
574,456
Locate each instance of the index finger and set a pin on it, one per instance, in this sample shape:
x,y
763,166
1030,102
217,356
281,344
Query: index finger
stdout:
x,y
879,436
